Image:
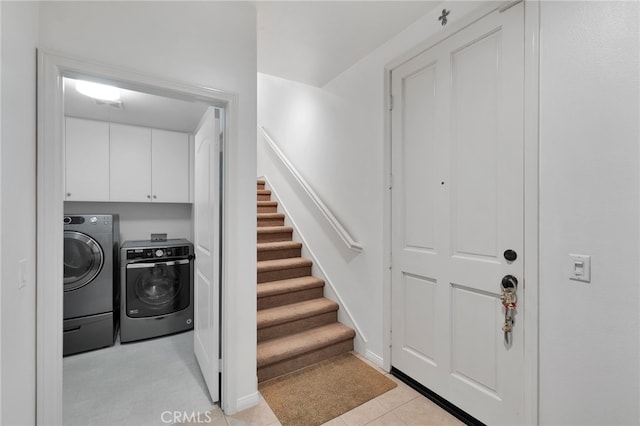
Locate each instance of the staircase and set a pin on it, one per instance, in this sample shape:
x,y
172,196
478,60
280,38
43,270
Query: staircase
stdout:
x,y
297,326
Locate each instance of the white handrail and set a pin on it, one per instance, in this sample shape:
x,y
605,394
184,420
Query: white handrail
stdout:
x,y
333,221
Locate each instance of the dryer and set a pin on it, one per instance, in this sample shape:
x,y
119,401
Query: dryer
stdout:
x,y
91,281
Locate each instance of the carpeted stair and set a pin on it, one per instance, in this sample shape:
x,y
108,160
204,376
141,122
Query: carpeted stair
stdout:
x,y
297,326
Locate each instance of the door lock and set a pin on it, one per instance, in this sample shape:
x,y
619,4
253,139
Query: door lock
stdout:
x,y
510,255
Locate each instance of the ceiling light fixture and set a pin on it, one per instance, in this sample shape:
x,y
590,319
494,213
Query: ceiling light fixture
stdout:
x,y
98,91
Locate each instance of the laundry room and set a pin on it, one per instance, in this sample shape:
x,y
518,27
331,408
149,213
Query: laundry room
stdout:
x,y
129,254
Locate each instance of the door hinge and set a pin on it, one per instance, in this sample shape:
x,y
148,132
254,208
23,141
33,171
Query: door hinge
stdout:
x,y
390,102
220,366
220,142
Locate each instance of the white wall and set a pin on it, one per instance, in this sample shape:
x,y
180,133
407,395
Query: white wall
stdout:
x,y
334,137
589,333
589,189
19,38
356,277
139,220
211,44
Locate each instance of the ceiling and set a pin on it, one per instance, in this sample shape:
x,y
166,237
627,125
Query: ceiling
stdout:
x,y
136,108
314,41
307,41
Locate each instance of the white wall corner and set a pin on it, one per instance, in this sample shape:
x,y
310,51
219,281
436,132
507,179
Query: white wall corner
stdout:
x,y
0,212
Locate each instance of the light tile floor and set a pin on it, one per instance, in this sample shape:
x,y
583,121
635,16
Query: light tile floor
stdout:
x,y
134,384
398,407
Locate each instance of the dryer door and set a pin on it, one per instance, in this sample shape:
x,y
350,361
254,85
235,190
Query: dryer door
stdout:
x,y
83,260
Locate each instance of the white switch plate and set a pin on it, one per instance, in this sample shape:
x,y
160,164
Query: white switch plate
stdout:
x,y
580,265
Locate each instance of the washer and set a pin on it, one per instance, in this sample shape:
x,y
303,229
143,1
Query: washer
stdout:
x,y
157,288
91,281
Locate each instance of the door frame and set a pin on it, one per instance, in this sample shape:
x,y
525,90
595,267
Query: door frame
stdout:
x,y
467,14
52,67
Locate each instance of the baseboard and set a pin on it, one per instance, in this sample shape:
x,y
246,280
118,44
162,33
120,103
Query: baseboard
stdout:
x,y
461,415
247,401
374,358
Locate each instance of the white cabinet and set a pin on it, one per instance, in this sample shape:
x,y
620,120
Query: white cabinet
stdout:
x,y
117,162
130,168
169,166
86,160
149,165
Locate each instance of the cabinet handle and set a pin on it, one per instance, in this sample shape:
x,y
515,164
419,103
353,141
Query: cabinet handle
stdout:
x,y
149,196
154,197
68,194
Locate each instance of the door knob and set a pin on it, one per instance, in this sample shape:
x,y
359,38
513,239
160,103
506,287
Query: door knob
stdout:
x,y
509,281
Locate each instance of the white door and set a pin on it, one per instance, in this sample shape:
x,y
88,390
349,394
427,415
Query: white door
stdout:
x,y
207,249
457,206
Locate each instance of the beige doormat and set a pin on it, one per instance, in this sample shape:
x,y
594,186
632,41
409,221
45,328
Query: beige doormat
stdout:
x,y
324,391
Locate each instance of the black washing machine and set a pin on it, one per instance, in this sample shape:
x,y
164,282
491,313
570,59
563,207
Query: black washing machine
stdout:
x,y
91,281
157,288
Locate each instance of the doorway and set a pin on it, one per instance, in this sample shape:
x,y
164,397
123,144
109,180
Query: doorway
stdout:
x,y
460,217
52,70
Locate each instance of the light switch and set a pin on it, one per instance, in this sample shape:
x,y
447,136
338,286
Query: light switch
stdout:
x,y
580,267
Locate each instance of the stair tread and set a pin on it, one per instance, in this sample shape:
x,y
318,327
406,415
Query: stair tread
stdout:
x,y
264,191
261,181
279,264
278,245
282,348
295,311
274,288
270,215
267,203
274,229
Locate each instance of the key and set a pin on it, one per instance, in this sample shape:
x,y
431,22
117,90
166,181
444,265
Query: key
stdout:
x,y
507,327
509,298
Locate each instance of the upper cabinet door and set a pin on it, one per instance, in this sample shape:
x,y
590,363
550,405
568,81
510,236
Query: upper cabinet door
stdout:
x,y
87,160
169,166
130,168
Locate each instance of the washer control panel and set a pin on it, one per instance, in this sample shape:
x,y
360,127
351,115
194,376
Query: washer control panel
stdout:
x,y
156,253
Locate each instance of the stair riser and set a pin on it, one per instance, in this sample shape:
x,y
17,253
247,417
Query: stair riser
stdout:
x,y
297,326
273,237
277,221
267,209
288,298
287,366
279,254
283,274
264,197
